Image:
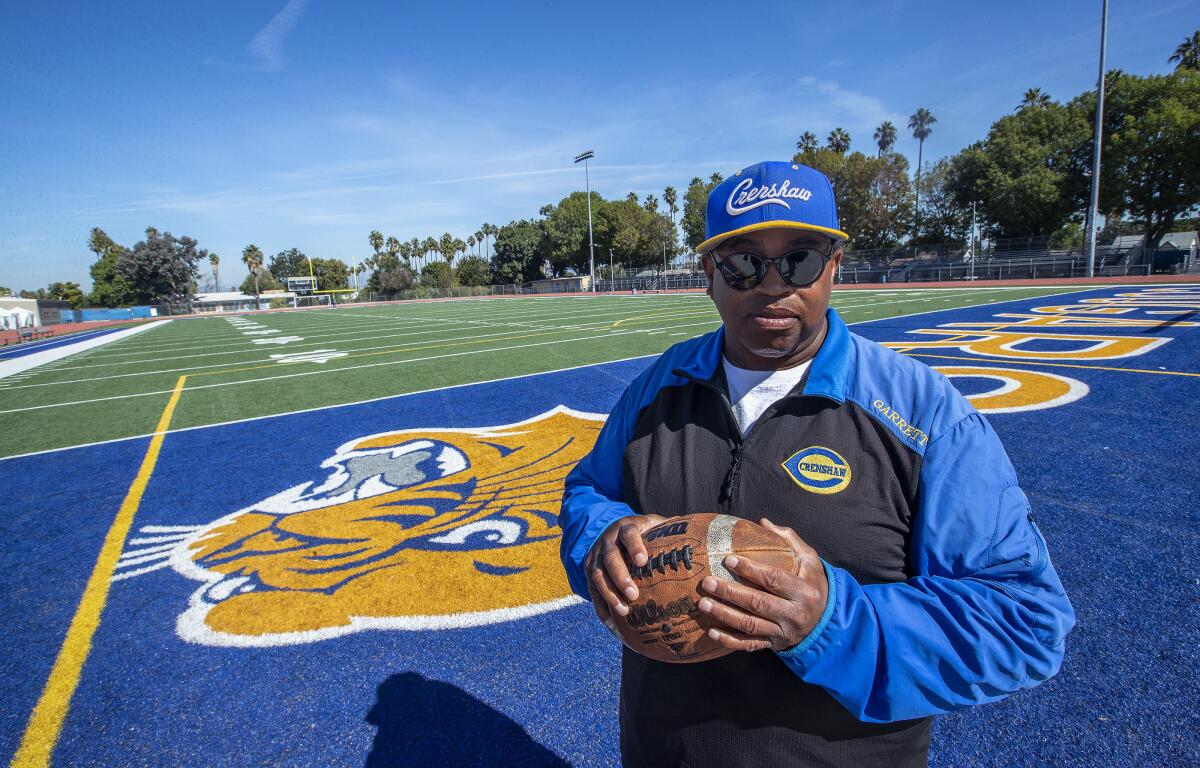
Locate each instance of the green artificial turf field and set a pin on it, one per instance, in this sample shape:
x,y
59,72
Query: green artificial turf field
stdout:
x,y
246,366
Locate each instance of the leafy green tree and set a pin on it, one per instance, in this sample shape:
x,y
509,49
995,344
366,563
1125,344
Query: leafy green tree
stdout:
x,y
1030,174
921,124
1187,54
945,218
807,142
5,291
109,289
873,195
638,234
331,274
520,249
252,257
567,229
885,137
474,270
40,294
289,263
695,201
66,292
162,267
394,279
438,275
839,140
1069,235
265,282
1151,168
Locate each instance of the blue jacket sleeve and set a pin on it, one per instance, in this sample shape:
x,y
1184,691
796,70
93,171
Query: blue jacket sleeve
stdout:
x,y
594,492
985,614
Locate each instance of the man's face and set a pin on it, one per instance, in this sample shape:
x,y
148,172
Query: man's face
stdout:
x,y
772,325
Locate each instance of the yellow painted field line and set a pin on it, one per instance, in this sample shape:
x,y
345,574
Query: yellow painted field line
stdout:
x,y
46,722
989,360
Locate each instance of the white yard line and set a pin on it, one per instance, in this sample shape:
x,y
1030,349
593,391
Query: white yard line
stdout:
x,y
28,362
94,362
1072,289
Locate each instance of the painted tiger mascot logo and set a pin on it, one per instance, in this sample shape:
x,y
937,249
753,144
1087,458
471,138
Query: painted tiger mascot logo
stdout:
x,y
414,529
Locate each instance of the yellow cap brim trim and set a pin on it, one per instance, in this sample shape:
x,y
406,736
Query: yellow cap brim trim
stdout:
x,y
713,242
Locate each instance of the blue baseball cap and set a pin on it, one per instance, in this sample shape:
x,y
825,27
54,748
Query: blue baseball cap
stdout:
x,y
770,194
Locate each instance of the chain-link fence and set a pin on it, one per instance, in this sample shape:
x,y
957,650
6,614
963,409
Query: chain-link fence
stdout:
x,y
1028,258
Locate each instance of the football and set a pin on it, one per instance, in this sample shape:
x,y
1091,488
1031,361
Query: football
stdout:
x,y
665,622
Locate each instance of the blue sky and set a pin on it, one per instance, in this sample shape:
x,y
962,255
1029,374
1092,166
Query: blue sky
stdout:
x,y
308,123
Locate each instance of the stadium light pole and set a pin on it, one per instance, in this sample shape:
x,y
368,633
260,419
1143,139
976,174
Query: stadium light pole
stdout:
x,y
1098,134
583,157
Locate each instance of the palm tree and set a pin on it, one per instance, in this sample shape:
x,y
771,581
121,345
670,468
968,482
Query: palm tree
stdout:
x,y
885,137
485,230
807,142
919,124
414,249
214,260
393,247
471,241
429,246
671,198
252,257
1034,97
376,240
839,141
445,247
459,246
1188,53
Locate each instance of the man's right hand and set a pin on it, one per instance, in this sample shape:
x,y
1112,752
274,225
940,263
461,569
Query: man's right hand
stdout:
x,y
609,582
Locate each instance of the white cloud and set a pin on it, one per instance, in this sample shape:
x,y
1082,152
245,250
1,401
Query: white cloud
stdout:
x,y
267,45
423,159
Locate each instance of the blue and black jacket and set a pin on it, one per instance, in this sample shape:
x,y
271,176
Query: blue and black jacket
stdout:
x,y
941,591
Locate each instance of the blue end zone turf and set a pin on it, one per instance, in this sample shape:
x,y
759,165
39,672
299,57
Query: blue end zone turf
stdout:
x,y
40,345
1111,478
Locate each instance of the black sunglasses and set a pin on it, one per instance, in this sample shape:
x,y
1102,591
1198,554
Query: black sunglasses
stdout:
x,y
798,268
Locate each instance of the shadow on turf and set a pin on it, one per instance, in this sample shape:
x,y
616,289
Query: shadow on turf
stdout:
x,y
430,723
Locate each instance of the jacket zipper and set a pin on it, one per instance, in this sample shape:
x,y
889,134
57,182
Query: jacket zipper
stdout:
x,y
733,476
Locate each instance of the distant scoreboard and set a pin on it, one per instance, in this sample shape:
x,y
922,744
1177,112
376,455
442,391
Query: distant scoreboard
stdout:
x,y
302,286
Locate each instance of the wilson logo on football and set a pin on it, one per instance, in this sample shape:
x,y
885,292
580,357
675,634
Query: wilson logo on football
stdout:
x,y
414,529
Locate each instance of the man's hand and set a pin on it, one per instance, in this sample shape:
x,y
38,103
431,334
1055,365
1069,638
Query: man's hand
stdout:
x,y
778,615
609,581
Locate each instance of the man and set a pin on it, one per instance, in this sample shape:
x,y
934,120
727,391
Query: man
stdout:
x,y
924,585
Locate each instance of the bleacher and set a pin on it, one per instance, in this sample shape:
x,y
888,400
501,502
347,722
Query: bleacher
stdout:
x,y
1031,258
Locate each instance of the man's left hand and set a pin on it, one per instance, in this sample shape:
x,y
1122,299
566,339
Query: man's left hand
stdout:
x,y
771,608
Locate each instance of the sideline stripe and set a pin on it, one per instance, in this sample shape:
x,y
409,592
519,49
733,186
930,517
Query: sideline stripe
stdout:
x,y
1036,363
46,722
